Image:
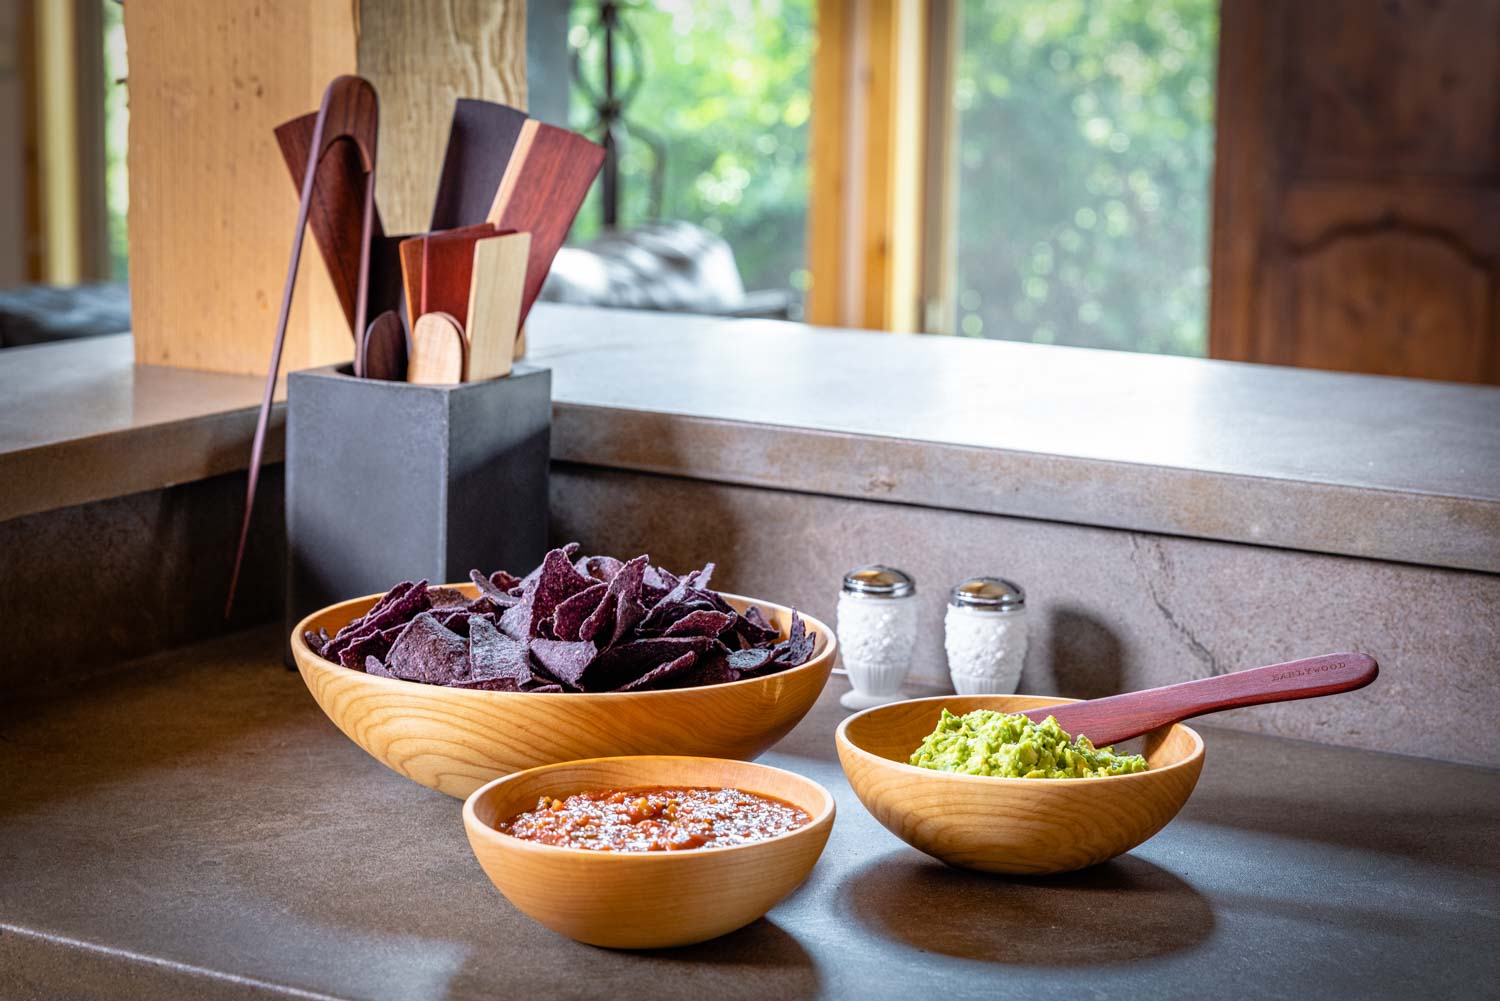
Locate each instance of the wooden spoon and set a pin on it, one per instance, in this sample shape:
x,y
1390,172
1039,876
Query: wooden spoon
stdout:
x,y
1120,717
438,351
386,348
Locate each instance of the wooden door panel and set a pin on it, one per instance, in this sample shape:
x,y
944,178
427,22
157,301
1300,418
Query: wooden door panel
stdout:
x,y
1357,188
1395,302
1378,81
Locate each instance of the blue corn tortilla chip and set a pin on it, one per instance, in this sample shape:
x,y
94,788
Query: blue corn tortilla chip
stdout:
x,y
528,582
753,629
621,609
542,590
595,624
601,568
491,591
564,660
751,659
446,597
425,651
496,662
568,617
711,671
662,675
701,623
656,584
797,648
396,606
617,665
375,667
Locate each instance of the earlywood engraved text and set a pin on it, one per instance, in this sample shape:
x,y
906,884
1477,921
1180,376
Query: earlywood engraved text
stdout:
x,y
1303,672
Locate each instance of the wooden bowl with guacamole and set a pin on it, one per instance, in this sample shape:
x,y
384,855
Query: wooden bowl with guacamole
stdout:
x,y
1026,826
455,740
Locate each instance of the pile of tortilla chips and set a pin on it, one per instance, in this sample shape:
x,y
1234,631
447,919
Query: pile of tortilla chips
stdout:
x,y
591,625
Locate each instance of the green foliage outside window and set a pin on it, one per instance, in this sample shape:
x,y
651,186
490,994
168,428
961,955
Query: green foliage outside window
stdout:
x,y
116,127
727,88
1086,149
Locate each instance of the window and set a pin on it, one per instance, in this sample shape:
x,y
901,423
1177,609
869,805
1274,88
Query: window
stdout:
x,y
722,93
1085,148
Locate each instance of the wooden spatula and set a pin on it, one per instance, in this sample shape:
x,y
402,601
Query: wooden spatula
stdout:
x,y
351,110
1120,717
549,174
336,213
412,256
447,268
386,348
438,351
480,142
499,277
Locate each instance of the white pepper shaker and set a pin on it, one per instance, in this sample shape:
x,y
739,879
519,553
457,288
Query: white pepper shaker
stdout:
x,y
877,627
984,634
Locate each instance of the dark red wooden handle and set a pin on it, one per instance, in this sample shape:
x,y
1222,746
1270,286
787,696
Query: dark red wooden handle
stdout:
x,y
1120,717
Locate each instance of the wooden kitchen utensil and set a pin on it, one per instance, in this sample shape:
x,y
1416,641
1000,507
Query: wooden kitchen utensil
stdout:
x,y
499,277
1120,717
448,266
412,256
350,109
438,351
336,215
480,142
549,174
386,349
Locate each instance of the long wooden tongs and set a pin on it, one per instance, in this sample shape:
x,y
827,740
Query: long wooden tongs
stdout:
x,y
350,110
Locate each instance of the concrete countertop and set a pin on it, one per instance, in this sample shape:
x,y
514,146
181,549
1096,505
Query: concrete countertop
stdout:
x,y
198,829
80,421
1398,469
1392,469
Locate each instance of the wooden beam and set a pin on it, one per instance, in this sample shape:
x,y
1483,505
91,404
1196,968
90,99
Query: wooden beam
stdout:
x,y
211,220
421,56
830,171
869,136
69,54
940,172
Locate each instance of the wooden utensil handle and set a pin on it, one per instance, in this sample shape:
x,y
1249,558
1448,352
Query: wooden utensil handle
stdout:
x,y
1120,717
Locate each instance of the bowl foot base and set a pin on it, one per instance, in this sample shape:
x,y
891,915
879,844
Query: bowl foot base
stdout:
x,y
864,700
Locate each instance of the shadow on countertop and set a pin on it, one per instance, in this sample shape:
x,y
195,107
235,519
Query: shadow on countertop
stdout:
x,y
1077,918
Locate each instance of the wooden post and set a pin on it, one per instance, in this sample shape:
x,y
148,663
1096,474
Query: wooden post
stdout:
x,y
211,208
868,157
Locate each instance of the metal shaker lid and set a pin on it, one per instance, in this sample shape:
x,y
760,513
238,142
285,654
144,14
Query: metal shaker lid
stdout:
x,y
877,581
988,594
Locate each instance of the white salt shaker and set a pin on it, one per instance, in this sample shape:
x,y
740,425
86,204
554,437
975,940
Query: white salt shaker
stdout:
x,y
877,626
984,634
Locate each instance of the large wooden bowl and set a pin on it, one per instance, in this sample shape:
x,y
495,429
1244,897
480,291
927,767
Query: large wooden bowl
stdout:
x,y
1028,826
645,900
455,740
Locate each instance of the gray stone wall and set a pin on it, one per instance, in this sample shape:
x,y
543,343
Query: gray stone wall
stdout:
x,y
1110,610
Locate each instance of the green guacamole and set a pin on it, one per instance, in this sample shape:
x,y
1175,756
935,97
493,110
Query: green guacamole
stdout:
x,y
986,742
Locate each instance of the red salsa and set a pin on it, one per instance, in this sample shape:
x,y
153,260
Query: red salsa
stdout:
x,y
655,819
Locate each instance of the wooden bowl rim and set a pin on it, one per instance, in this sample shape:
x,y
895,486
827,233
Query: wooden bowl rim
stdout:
x,y
820,820
842,739
304,655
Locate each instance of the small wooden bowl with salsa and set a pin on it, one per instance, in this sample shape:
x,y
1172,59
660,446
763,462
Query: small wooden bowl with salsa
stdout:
x,y
670,863
455,740
1028,826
